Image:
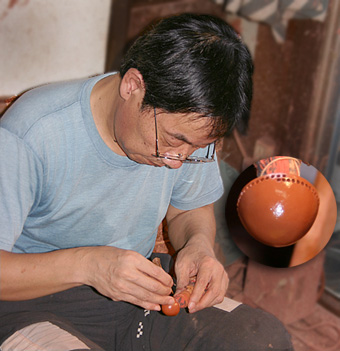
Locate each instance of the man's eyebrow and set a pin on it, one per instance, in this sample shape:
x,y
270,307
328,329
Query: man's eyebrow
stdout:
x,y
182,137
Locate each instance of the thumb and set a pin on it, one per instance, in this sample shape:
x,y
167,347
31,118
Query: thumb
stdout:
x,y
182,279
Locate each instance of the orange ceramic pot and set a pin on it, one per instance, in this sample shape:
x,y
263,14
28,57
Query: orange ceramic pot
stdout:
x,y
278,209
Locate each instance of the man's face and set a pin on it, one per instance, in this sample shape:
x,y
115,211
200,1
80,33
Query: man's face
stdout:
x,y
177,134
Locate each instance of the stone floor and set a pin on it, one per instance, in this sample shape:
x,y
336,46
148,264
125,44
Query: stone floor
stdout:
x,y
317,331
320,331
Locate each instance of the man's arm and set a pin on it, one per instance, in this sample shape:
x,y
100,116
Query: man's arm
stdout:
x,y
121,275
193,234
26,276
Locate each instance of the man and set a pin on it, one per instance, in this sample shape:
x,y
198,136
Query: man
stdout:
x,y
90,168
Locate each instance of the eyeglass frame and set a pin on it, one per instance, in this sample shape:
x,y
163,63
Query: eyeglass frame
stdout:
x,y
180,157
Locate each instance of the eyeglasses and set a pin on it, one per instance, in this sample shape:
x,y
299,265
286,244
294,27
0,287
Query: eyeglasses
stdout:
x,y
185,159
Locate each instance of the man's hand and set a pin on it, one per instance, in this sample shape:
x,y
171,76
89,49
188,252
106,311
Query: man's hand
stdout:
x,y
121,275
211,282
192,233
124,275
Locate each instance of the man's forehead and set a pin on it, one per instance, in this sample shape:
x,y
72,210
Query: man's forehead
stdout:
x,y
193,121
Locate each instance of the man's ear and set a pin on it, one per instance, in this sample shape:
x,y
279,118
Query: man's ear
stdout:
x,y
131,83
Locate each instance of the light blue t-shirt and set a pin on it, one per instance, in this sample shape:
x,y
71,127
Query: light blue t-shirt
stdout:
x,y
61,186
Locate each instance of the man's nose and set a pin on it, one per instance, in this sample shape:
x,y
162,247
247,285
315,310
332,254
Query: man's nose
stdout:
x,y
188,150
183,153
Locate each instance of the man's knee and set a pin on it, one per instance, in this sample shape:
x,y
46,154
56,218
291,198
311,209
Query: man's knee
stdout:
x,y
227,326
254,329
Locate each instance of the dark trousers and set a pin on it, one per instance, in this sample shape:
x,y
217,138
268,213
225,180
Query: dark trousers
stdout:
x,y
103,324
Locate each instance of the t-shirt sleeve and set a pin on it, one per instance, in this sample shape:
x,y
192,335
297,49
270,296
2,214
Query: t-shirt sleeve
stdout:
x,y
197,185
20,171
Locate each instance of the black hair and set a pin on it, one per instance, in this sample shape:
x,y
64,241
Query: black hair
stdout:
x,y
195,64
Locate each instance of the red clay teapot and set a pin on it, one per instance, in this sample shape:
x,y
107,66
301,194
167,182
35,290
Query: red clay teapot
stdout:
x,y
278,209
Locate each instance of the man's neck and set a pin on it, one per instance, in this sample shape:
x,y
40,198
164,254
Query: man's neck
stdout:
x,y
103,100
